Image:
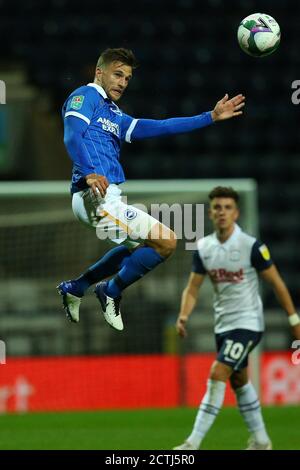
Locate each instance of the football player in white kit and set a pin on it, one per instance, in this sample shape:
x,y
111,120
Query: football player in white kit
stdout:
x,y
232,259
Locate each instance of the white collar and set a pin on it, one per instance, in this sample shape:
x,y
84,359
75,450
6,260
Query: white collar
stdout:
x,y
237,230
100,90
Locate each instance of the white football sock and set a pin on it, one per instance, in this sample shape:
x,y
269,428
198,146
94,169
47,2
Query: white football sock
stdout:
x,y
208,410
250,410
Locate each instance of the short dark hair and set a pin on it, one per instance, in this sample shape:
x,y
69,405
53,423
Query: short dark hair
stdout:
x,y
126,56
223,191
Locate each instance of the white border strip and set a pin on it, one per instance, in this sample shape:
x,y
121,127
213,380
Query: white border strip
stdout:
x,y
54,188
246,351
130,130
81,116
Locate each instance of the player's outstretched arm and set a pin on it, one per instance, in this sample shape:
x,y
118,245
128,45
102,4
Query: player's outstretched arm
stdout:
x,y
272,276
188,302
146,128
227,108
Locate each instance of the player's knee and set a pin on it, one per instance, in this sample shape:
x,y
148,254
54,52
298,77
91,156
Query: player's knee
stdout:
x,y
169,245
220,371
163,240
238,380
235,382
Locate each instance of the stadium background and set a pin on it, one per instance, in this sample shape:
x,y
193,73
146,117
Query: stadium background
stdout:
x,y
188,58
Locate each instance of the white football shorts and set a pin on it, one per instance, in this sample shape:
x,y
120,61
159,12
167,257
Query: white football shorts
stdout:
x,y
113,220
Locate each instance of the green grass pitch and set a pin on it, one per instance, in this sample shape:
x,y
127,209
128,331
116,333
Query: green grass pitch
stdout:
x,y
140,430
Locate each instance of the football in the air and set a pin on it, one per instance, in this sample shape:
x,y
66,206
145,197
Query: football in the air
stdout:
x,y
259,35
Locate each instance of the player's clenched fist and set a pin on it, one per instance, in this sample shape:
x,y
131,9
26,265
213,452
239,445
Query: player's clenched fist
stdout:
x,y
98,183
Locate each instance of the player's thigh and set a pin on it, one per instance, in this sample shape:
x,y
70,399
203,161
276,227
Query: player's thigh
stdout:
x,y
234,347
124,224
160,232
220,371
162,239
114,221
84,207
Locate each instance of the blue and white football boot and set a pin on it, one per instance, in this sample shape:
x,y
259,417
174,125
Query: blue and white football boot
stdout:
x,y
71,301
110,306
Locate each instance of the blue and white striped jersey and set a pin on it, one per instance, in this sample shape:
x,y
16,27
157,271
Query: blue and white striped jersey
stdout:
x,y
95,127
107,127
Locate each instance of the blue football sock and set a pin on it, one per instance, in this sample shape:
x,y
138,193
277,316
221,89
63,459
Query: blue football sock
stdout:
x,y
139,263
108,265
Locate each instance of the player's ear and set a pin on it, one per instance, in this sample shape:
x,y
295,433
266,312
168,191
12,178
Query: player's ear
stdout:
x,y
98,72
209,213
237,214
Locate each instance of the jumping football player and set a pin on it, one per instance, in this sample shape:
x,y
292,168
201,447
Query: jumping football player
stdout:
x,y
94,127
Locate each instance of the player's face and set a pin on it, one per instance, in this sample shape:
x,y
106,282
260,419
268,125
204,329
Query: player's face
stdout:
x,y
114,78
223,212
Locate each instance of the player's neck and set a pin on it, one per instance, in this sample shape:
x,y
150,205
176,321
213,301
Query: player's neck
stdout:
x,y
224,234
98,82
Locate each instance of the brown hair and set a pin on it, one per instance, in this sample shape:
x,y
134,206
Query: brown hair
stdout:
x,y
222,191
126,56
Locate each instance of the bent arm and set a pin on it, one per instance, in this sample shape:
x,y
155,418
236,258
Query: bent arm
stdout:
x,y
74,130
272,276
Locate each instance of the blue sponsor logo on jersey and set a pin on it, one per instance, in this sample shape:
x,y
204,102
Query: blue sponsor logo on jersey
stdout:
x,y
130,214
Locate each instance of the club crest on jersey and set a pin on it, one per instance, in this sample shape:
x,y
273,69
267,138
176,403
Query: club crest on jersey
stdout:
x,y
77,102
265,252
130,214
116,110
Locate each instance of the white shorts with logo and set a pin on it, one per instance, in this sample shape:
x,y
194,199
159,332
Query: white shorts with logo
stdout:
x,y
113,220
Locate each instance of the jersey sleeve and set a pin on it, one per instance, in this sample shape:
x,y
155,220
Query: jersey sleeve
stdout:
x,y
74,130
127,127
197,265
81,105
260,256
147,128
